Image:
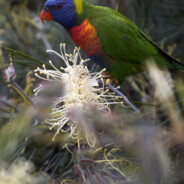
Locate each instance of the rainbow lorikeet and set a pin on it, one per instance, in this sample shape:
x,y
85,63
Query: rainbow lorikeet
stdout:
x,y
107,37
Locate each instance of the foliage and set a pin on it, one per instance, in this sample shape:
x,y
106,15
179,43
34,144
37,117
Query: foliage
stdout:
x,y
130,147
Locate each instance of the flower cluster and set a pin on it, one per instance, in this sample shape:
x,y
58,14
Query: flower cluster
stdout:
x,y
81,88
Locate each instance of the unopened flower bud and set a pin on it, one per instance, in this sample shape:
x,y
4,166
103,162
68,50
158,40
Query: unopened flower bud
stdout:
x,y
9,73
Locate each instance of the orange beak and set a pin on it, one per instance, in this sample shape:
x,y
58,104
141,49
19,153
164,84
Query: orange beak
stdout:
x,y
45,15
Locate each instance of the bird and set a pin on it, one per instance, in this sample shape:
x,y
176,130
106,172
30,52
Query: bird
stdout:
x,y
107,37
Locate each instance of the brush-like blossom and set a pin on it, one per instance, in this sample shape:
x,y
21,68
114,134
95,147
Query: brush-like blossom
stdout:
x,y
81,89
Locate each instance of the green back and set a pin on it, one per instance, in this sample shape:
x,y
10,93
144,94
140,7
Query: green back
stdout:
x,y
123,41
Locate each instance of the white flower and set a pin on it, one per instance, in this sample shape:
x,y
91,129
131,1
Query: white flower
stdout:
x,y
21,171
18,172
81,88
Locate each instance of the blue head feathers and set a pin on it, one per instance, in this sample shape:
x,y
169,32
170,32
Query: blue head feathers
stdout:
x,y
62,11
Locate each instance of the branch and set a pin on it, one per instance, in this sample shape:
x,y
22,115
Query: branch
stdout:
x,y
22,91
124,98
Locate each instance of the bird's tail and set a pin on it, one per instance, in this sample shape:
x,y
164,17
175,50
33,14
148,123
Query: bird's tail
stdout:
x,y
171,58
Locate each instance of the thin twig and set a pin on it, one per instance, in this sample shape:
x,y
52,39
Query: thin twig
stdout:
x,y
22,91
10,105
1,59
124,98
117,5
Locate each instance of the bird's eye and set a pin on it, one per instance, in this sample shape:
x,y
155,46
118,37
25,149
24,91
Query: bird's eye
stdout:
x,y
59,6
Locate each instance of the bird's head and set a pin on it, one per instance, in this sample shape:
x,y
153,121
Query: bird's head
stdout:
x,y
64,12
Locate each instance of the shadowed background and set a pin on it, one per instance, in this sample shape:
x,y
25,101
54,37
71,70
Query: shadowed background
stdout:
x,y
145,148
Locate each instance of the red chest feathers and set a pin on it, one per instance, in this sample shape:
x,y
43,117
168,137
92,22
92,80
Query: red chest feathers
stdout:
x,y
85,35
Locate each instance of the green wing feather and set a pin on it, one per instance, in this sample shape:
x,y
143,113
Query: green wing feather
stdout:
x,y
124,42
